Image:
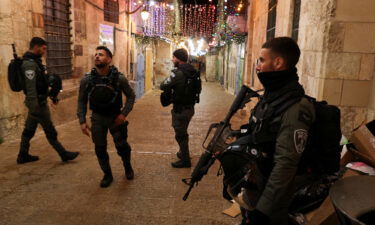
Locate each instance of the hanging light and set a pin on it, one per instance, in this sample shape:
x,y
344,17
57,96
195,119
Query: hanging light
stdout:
x,y
145,14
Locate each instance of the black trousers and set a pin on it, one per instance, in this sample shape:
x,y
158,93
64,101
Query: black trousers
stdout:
x,y
42,117
180,124
100,126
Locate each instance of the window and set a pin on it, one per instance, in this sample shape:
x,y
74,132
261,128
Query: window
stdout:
x,y
111,11
57,34
271,23
296,15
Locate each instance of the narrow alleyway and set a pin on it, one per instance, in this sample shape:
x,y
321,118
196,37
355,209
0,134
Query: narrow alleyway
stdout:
x,y
51,192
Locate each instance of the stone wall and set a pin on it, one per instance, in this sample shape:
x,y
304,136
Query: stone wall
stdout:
x,y
258,12
211,67
338,54
163,61
351,41
86,21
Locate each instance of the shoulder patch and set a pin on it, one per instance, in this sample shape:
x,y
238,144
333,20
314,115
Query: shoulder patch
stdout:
x,y
300,140
30,74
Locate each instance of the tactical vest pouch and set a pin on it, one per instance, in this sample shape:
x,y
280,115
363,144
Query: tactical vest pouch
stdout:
x,y
55,83
104,95
166,98
193,87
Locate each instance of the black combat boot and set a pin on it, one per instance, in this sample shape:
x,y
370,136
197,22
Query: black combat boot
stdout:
x,y
23,155
25,158
66,156
181,164
105,166
183,154
178,154
129,173
107,180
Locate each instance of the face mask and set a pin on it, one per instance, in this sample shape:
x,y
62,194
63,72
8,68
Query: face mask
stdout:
x,y
101,65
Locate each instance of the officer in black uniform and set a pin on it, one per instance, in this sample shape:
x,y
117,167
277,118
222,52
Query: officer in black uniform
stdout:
x,y
36,92
279,128
183,105
103,88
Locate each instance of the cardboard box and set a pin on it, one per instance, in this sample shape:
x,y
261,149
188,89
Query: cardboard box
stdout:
x,y
325,214
364,140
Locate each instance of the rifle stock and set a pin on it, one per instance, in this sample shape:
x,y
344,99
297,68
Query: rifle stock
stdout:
x,y
217,143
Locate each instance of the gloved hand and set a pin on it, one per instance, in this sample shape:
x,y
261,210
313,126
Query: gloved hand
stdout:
x,y
256,217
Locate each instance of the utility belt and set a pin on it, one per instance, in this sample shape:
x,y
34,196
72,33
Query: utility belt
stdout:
x,y
180,108
106,112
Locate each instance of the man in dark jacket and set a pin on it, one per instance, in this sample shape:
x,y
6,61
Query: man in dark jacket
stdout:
x,y
103,88
36,92
279,128
183,104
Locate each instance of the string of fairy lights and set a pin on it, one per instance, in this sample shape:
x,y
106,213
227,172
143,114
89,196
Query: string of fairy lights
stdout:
x,y
160,20
208,20
198,20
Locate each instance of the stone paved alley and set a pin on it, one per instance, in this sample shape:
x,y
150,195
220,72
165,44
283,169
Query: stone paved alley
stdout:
x,y
51,192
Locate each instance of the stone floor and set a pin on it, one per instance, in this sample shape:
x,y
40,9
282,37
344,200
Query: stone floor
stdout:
x,y
51,192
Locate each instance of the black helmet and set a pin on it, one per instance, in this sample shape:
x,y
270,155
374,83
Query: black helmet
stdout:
x,y
55,82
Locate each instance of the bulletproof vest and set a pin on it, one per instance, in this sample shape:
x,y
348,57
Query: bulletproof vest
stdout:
x,y
248,162
265,122
104,93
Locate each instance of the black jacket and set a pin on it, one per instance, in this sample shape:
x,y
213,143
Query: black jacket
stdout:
x,y
176,83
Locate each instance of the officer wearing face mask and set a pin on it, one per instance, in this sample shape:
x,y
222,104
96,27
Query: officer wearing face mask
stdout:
x,y
36,91
103,89
278,128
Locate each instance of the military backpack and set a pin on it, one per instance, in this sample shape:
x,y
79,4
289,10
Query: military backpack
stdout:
x,y
16,77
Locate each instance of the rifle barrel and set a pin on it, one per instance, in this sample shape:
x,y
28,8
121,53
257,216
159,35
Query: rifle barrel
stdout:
x,y
188,191
236,103
14,51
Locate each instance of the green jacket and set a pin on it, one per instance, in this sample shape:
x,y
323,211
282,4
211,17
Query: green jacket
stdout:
x,y
291,138
176,84
36,84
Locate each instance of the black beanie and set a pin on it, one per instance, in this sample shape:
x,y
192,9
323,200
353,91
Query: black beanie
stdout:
x,y
181,54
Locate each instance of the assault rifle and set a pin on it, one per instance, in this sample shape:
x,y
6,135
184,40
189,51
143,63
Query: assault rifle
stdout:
x,y
218,142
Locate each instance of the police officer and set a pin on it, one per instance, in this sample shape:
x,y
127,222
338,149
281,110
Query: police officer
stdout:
x,y
103,88
281,137
183,105
36,91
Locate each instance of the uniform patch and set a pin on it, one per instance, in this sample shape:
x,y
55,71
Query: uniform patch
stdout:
x,y
300,140
30,74
173,75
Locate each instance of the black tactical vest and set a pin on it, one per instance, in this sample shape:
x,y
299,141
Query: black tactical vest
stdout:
x,y
104,93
